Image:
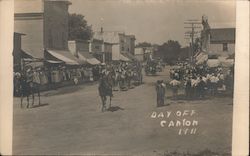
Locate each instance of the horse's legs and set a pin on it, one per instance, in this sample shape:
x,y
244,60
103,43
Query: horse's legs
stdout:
x,y
33,98
38,93
102,103
103,98
21,101
110,99
28,101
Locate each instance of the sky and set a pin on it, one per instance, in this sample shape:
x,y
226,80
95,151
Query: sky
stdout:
x,y
154,21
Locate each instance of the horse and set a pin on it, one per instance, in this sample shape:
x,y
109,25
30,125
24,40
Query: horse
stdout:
x,y
105,89
28,88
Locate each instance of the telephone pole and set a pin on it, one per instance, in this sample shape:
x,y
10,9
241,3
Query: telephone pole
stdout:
x,y
192,25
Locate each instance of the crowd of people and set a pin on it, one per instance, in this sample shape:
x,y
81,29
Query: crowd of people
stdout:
x,y
122,75
200,81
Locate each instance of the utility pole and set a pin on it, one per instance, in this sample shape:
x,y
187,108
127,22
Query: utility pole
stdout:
x,y
192,34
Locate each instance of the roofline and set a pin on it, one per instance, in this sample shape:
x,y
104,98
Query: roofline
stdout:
x,y
66,1
29,16
222,41
78,40
22,34
222,28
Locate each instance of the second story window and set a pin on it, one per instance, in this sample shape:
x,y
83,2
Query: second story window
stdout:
x,y
225,47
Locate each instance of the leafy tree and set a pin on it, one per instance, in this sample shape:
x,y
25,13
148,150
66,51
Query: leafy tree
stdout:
x,y
143,44
79,28
169,50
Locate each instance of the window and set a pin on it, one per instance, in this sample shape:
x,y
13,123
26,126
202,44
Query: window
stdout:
x,y
225,47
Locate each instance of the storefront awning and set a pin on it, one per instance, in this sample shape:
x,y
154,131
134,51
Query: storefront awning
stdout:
x,y
54,62
124,58
89,58
64,56
129,56
26,55
93,61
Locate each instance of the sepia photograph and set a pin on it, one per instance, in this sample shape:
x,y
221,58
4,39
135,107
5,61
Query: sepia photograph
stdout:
x,y
123,77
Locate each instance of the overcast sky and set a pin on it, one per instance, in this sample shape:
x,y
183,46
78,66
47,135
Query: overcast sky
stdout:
x,y
151,20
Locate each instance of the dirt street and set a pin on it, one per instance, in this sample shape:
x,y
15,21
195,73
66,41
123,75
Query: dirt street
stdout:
x,y
71,122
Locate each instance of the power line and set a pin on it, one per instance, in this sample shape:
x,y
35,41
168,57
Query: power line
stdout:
x,y
192,24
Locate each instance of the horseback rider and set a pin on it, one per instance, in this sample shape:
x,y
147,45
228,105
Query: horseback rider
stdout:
x,y
105,89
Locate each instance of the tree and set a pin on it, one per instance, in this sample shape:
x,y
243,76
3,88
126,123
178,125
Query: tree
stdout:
x,y
169,50
79,28
143,44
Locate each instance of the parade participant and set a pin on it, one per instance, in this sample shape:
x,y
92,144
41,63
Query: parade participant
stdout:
x,y
175,85
196,87
129,77
16,79
214,82
193,85
160,92
105,89
201,88
176,75
188,88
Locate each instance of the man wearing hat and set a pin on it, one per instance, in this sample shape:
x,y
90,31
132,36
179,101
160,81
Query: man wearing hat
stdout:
x,y
175,85
160,92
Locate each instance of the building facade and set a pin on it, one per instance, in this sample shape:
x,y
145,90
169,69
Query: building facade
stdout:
x,y
45,23
121,43
97,48
139,53
222,41
127,43
17,51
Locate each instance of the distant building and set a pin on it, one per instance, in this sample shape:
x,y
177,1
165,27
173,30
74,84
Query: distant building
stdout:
x,y
45,23
98,49
128,44
144,53
222,41
122,44
139,54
